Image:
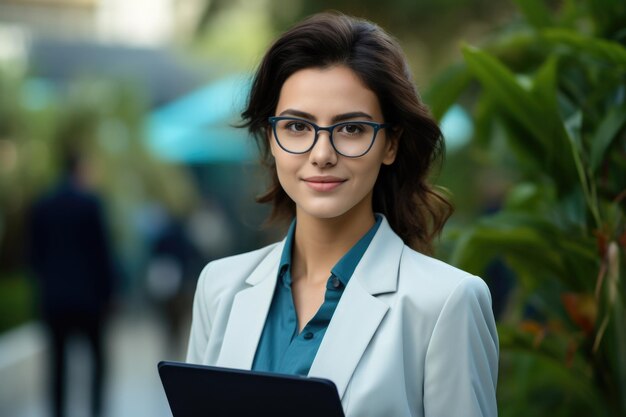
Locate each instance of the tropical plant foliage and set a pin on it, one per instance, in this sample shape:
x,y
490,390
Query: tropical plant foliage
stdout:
x,y
549,93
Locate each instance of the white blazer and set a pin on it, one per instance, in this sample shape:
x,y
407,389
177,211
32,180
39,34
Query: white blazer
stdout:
x,y
411,336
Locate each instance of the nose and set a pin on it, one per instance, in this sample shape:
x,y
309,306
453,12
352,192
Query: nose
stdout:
x,y
323,154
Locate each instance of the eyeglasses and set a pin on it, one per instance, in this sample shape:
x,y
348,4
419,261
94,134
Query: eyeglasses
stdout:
x,y
350,139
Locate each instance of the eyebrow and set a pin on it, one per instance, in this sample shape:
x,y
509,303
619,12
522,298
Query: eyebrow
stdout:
x,y
335,119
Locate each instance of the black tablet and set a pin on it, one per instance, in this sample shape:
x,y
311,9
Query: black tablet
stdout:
x,y
208,391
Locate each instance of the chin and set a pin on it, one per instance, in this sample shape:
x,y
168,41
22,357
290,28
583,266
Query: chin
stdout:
x,y
322,214
334,209
323,211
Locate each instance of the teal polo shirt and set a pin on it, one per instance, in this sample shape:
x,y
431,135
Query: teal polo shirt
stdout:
x,y
281,349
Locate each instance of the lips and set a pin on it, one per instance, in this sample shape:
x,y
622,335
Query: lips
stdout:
x,y
323,183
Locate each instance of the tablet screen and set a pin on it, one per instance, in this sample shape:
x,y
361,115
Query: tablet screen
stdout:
x,y
208,391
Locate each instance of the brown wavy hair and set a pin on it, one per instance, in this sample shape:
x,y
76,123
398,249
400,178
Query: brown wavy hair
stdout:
x,y
415,209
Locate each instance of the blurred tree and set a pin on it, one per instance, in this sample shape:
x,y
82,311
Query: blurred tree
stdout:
x,y
406,17
105,119
550,111
428,29
428,18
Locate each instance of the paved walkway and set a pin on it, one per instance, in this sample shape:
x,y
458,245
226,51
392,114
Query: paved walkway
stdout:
x,y
136,342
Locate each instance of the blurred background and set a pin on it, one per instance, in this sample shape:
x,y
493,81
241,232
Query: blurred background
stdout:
x,y
120,113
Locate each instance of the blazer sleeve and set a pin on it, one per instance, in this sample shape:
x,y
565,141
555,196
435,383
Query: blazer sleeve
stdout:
x,y
200,321
461,368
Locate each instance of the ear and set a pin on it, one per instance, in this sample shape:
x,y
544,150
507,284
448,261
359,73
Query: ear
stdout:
x,y
391,147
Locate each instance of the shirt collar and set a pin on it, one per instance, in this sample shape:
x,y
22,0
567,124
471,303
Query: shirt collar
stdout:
x,y
342,269
285,258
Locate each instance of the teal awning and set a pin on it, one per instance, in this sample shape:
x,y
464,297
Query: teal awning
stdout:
x,y
197,128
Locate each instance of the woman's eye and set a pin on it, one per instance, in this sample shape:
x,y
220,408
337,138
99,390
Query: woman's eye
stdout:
x,y
352,129
297,126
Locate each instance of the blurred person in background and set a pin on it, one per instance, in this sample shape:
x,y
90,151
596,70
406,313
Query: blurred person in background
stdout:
x,y
350,294
70,257
169,280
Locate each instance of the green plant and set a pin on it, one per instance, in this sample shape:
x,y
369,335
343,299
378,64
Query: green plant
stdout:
x,y
16,301
552,101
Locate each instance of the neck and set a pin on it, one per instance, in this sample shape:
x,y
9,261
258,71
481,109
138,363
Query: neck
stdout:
x,y
320,243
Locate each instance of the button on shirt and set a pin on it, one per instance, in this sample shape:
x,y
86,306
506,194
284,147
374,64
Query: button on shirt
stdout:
x,y
281,348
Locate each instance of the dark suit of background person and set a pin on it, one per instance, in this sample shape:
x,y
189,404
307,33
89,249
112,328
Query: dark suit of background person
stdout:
x,y
70,257
170,281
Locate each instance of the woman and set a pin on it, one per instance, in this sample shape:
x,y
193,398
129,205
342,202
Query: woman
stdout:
x,y
349,294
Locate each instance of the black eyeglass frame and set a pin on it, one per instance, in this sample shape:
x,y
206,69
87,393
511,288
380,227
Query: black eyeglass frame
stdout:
x,y
377,126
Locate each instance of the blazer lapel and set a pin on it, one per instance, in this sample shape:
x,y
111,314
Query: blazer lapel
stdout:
x,y
248,314
359,312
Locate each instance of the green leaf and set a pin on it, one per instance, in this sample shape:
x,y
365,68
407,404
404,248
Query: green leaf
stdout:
x,y
573,127
535,112
525,196
446,88
484,122
617,350
502,85
545,90
610,51
536,377
532,245
536,12
502,235
605,134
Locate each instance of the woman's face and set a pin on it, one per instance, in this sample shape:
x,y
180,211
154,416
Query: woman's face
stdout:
x,y
323,183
